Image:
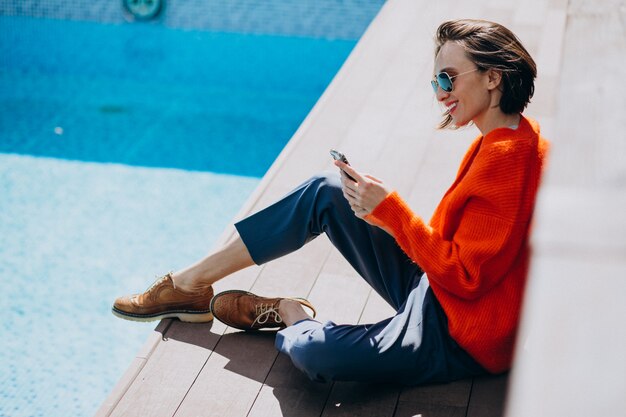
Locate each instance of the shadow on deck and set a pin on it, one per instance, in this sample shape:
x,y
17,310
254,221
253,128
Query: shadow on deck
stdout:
x,y
379,110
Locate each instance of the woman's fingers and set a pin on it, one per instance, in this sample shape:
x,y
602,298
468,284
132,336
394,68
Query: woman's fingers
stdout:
x,y
374,179
349,187
358,211
349,170
351,200
354,203
364,194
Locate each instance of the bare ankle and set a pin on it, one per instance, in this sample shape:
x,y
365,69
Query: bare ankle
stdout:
x,y
188,283
291,311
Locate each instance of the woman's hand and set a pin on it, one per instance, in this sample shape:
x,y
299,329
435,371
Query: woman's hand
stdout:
x,y
364,194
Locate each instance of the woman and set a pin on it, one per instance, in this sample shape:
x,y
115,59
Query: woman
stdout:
x,y
456,282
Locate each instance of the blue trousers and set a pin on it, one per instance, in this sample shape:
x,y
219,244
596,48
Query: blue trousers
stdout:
x,y
412,347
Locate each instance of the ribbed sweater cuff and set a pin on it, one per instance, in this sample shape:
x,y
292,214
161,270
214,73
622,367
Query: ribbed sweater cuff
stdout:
x,y
394,213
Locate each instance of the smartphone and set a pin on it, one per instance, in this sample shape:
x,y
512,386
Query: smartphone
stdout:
x,y
338,156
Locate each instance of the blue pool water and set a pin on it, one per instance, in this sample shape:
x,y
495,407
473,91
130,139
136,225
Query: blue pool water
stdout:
x,y
142,95
125,150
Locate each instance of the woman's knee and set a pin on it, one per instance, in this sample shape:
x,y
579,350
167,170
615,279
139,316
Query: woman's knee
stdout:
x,y
329,187
328,180
314,355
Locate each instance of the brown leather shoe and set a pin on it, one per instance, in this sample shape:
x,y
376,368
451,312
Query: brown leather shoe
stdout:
x,y
163,300
246,311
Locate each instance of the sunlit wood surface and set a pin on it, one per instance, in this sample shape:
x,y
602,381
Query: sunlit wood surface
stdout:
x,y
380,111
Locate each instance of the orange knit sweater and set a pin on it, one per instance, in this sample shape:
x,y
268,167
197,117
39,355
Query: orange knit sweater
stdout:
x,y
475,248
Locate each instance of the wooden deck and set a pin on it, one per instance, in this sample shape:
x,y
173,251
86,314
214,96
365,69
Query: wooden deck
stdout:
x,y
380,111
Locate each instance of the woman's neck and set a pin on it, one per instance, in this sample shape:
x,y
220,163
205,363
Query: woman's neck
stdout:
x,y
495,120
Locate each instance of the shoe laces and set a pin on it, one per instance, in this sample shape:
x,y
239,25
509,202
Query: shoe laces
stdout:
x,y
264,312
159,281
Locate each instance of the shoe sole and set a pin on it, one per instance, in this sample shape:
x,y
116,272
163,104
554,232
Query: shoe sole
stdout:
x,y
186,316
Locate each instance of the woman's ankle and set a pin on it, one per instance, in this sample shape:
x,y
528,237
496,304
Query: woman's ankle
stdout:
x,y
291,311
189,282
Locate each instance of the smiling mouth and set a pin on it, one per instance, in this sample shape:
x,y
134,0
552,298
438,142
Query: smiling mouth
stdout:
x,y
452,107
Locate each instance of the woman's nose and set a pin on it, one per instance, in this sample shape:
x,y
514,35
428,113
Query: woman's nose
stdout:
x,y
441,94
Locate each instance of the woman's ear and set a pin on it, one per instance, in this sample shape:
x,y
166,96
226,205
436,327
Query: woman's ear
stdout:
x,y
494,78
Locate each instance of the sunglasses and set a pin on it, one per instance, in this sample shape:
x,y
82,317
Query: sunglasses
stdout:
x,y
443,80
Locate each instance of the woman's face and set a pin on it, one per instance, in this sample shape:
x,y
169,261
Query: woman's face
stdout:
x,y
470,98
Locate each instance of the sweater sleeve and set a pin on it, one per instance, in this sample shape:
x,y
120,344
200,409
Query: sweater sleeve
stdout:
x,y
487,233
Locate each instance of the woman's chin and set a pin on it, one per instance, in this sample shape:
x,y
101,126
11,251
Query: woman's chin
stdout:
x,y
459,122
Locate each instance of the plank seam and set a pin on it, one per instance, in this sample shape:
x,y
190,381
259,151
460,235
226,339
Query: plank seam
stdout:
x,y
332,90
263,384
369,295
469,398
144,361
256,397
395,408
198,374
330,391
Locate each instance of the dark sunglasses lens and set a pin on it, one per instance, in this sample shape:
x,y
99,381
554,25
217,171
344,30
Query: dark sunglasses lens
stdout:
x,y
444,82
434,85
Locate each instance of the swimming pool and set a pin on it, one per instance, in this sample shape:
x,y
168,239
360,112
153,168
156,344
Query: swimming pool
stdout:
x,y
141,95
125,150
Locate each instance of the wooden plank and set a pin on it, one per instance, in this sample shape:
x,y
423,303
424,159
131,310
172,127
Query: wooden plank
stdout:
x,y
437,400
114,397
380,112
438,170
238,386
246,382
410,149
338,294
136,366
376,309
348,398
455,393
243,279
149,395
260,202
488,395
428,410
360,399
339,298
229,382
288,392
293,275
179,356
329,285
328,124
